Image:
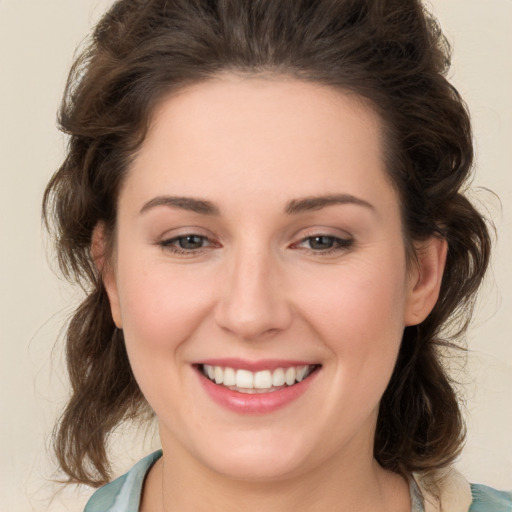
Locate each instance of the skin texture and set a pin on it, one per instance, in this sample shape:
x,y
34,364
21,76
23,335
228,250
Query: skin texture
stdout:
x,y
259,288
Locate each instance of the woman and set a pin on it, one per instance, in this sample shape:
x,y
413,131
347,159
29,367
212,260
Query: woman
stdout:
x,y
263,199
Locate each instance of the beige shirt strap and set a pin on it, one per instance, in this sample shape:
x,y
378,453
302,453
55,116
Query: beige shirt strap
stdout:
x,y
444,491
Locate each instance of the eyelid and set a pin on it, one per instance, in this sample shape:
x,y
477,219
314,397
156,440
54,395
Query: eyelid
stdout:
x,y
169,243
342,241
314,231
184,231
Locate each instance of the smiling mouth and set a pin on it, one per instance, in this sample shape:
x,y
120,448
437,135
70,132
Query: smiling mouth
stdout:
x,y
264,381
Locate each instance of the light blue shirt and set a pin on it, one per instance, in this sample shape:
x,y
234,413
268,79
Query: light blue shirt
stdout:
x,y
124,493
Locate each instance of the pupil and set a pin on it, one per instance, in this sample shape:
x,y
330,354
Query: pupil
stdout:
x,y
321,242
191,242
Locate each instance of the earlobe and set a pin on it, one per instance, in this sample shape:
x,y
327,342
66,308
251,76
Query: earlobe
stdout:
x,y
99,255
425,280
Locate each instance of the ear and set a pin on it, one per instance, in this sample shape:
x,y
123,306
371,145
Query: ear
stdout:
x,y
100,257
425,279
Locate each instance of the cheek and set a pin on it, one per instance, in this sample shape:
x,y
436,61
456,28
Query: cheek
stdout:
x,y
161,309
362,302
161,306
359,316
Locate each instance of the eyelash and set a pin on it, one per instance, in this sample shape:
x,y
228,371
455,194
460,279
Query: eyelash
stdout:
x,y
338,244
172,244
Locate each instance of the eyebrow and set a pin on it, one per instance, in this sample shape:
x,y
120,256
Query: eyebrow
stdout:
x,y
313,203
185,203
293,207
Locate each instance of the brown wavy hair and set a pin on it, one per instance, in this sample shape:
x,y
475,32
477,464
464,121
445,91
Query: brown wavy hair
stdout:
x,y
390,53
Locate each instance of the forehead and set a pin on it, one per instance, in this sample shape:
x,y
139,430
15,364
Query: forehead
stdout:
x,y
260,135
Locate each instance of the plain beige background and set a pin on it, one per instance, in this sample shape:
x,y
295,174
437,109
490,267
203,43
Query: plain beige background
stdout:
x,y
37,41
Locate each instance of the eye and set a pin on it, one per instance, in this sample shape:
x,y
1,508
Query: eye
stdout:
x,y
321,243
190,241
186,244
324,243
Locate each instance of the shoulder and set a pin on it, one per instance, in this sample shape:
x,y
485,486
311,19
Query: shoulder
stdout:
x,y
447,490
486,499
123,494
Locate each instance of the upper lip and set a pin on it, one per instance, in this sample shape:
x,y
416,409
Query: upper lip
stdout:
x,y
254,366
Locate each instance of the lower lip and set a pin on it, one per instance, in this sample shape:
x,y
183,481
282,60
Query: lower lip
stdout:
x,y
255,403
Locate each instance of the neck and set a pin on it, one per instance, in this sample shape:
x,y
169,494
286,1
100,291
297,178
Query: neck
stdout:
x,y
178,484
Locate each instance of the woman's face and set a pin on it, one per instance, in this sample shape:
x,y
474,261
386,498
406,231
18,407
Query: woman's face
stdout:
x,y
257,231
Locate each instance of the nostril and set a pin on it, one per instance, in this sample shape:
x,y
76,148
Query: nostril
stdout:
x,y
251,319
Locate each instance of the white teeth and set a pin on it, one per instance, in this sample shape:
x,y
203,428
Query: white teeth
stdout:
x,y
229,377
219,375
278,377
290,375
264,379
301,373
244,379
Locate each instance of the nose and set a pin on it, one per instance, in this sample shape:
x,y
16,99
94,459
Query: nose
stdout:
x,y
253,303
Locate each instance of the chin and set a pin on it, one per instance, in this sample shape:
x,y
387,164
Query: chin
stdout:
x,y
254,468
267,458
